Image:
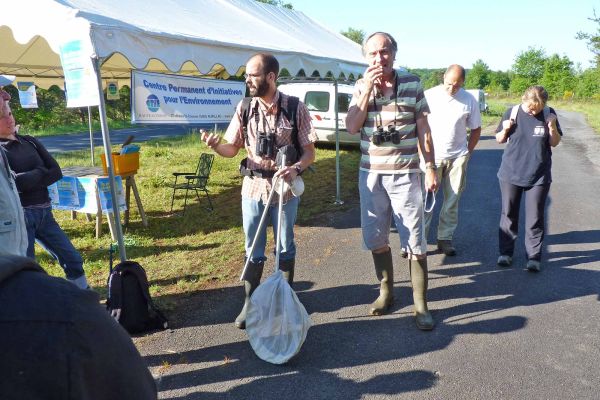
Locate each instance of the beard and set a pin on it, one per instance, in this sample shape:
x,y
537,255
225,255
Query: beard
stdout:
x,y
260,90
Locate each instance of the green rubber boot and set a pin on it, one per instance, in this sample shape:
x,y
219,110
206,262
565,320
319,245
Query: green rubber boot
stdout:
x,y
287,269
384,268
418,277
251,281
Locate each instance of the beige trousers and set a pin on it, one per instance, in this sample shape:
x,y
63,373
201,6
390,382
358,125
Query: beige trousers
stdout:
x,y
452,175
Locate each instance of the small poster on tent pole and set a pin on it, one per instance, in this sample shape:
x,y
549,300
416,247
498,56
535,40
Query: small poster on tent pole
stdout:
x,y
112,90
80,78
27,96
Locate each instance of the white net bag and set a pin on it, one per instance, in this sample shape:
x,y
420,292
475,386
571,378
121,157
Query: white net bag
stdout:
x,y
277,323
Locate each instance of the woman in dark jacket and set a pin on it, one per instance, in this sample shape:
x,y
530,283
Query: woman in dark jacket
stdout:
x,y
531,130
34,170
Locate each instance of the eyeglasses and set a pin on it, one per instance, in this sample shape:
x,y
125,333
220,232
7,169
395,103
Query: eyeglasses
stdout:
x,y
246,76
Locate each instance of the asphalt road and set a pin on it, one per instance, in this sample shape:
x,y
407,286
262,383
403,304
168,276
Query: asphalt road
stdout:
x,y
500,334
80,141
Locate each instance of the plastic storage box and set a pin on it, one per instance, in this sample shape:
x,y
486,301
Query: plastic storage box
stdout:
x,y
123,163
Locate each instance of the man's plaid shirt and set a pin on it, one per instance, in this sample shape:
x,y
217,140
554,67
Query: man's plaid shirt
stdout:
x,y
259,188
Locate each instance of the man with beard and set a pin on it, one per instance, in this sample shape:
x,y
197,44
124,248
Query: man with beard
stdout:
x,y
267,130
389,110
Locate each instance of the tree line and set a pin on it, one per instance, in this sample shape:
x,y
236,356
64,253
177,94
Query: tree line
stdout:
x,y
558,74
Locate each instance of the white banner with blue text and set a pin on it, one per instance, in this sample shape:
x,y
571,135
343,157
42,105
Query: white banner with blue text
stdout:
x,y
176,99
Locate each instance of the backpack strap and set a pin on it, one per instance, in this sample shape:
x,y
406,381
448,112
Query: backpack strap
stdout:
x,y
291,113
513,112
246,116
546,112
115,291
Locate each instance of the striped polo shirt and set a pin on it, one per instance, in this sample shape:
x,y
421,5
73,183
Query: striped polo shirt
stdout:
x,y
401,110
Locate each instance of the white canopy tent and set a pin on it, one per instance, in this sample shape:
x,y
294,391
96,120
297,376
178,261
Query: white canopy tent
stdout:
x,y
189,37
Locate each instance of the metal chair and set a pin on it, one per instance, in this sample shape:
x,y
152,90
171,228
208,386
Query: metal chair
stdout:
x,y
194,180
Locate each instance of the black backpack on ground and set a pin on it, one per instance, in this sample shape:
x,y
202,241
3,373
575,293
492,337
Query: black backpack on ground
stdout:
x,y
128,291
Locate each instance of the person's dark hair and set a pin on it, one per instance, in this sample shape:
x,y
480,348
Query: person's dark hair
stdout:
x,y
457,67
536,95
386,35
269,63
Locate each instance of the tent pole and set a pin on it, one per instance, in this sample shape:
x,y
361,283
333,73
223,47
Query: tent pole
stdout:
x,y
109,162
91,134
338,200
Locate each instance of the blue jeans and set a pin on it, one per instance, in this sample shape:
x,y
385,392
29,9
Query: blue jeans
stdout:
x,y
43,228
252,211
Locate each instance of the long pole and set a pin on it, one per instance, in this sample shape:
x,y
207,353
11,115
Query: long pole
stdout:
x,y
91,134
259,229
109,162
338,199
279,217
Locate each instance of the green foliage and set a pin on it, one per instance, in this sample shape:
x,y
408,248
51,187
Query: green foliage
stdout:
x,y
528,69
429,77
52,114
558,76
277,3
592,39
479,76
356,35
588,84
499,81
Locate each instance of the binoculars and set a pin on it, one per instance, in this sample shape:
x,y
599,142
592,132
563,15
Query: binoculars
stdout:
x,y
265,145
392,134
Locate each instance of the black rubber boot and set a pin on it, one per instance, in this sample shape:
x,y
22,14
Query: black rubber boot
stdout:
x,y
287,268
251,281
384,268
418,277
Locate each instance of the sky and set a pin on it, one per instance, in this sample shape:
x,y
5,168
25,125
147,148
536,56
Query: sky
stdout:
x,y
437,33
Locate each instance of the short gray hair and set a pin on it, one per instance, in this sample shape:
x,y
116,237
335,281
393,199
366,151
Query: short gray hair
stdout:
x,y
386,35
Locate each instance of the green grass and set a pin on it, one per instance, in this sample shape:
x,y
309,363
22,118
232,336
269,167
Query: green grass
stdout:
x,y
73,128
184,254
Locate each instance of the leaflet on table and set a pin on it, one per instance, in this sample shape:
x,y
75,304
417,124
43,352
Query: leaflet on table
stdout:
x,y
105,197
79,194
64,193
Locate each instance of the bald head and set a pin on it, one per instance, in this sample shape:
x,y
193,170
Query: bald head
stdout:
x,y
454,78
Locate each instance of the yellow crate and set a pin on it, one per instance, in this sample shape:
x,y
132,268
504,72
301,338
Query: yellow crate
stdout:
x,y
123,164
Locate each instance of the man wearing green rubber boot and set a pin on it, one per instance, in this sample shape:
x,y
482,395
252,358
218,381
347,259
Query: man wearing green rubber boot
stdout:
x,y
389,110
269,121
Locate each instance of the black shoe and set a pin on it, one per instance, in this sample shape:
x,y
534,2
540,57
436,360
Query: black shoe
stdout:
x,y
534,266
445,246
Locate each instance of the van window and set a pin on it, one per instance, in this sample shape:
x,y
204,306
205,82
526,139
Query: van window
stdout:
x,y
344,102
317,101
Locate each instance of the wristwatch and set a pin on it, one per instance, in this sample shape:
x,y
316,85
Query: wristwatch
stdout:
x,y
298,169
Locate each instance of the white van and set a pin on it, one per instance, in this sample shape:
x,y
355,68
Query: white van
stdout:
x,y
319,98
480,97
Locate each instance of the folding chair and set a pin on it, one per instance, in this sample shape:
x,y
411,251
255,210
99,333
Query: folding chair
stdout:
x,y
194,181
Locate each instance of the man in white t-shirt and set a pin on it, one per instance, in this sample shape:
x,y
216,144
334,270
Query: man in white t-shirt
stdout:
x,y
453,112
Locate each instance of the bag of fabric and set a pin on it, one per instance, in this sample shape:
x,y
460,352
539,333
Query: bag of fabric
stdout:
x,y
129,300
277,323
